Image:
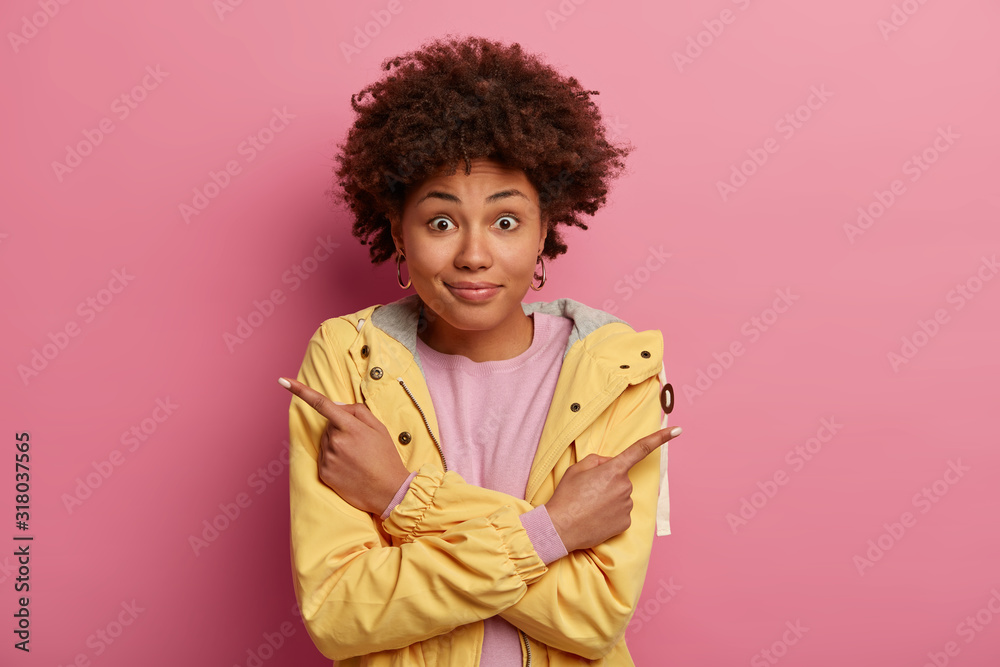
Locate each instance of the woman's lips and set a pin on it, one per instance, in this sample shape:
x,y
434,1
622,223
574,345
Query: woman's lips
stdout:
x,y
473,291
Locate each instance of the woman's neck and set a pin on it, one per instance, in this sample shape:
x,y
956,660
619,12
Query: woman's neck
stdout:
x,y
503,342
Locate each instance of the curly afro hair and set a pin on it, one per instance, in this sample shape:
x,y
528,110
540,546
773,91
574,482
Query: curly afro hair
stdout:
x,y
458,99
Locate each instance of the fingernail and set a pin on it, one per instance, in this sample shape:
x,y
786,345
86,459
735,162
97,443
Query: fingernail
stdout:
x,y
339,403
284,383
675,431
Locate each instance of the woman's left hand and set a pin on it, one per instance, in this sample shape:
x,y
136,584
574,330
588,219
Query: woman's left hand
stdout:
x,y
357,457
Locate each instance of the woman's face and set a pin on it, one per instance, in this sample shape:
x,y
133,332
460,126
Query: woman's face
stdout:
x,y
471,243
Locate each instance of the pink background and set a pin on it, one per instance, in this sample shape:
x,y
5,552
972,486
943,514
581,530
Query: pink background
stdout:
x,y
722,588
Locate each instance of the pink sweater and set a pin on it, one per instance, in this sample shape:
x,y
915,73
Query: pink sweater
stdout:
x,y
490,416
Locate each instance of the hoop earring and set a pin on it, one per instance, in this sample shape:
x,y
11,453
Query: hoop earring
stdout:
x,y
543,275
399,275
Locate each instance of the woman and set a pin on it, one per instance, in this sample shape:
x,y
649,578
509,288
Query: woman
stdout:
x,y
474,479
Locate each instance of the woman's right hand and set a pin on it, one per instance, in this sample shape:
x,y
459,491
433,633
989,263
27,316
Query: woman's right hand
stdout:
x,y
593,500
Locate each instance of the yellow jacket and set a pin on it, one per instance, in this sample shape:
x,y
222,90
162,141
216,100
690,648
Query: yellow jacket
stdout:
x,y
414,589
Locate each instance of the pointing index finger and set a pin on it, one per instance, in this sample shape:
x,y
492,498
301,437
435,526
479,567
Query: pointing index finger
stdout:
x,y
315,399
641,448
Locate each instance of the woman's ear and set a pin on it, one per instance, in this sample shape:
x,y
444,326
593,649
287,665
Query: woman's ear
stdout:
x,y
545,235
396,230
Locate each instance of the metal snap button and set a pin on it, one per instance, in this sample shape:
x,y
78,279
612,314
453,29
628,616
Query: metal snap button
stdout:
x,y
575,407
645,354
375,373
404,438
623,366
364,351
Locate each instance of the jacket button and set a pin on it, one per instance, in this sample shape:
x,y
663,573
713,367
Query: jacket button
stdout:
x,y
623,366
404,438
575,407
645,354
364,351
376,373
667,398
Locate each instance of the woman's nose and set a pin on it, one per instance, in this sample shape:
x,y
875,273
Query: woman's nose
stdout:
x,y
474,251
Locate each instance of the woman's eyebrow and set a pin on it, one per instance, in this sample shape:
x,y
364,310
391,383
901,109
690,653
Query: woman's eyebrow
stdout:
x,y
496,196
504,194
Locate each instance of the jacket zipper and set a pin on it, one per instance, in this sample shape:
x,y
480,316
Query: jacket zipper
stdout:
x,y
426,424
524,637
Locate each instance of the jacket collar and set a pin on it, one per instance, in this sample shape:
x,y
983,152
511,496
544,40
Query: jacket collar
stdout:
x,y
401,319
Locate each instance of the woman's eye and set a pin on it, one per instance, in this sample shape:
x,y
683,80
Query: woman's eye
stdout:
x,y
507,222
441,224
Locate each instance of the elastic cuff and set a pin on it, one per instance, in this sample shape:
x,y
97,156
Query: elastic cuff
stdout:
x,y
543,534
514,537
398,498
403,520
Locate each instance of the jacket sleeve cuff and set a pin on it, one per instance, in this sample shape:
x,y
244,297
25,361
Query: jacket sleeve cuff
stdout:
x,y
406,519
543,534
521,552
398,498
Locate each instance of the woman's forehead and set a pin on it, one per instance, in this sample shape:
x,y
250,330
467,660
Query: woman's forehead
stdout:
x,y
485,175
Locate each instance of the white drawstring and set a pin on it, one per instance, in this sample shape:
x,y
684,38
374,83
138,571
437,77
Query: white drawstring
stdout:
x,y
663,500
